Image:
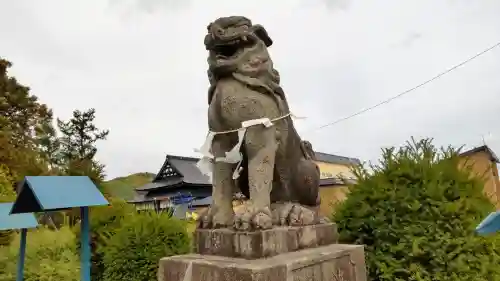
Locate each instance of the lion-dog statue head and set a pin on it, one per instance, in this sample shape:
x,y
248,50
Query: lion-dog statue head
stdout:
x,y
235,45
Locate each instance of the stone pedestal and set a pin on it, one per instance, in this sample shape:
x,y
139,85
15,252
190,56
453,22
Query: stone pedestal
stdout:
x,y
265,243
307,253
334,262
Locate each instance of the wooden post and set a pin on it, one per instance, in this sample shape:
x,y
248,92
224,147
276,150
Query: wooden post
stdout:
x,y
85,244
22,254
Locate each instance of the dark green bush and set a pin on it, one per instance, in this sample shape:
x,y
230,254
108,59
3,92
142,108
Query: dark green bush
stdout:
x,y
141,241
104,221
416,212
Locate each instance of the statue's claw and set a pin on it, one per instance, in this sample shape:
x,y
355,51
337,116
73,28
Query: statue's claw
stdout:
x,y
291,214
251,218
216,218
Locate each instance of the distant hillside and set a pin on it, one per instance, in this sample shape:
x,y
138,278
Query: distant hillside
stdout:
x,y
123,187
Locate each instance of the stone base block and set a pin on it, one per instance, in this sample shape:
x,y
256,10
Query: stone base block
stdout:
x,y
336,262
266,243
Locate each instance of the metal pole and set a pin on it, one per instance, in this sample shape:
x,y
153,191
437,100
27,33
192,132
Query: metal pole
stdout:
x,y
22,254
85,247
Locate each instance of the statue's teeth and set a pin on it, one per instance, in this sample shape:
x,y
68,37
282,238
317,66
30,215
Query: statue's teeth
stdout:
x,y
244,38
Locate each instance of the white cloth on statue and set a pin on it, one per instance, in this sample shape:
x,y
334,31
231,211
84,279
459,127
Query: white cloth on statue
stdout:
x,y
234,156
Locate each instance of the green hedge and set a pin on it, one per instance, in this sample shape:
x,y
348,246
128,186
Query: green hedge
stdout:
x,y
50,256
416,212
134,251
104,222
125,246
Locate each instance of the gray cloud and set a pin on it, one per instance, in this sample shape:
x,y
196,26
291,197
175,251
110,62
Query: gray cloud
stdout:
x,y
330,5
409,40
142,65
131,7
337,4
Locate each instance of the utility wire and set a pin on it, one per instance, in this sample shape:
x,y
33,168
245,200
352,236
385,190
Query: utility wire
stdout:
x,y
407,91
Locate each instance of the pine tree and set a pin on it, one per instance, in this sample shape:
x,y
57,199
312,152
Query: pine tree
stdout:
x,y
79,136
416,212
49,145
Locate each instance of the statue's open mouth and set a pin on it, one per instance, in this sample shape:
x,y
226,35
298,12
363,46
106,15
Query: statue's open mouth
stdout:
x,y
232,48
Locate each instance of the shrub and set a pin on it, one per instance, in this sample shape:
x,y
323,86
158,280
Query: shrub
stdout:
x,y
142,240
7,194
191,227
104,221
50,256
416,212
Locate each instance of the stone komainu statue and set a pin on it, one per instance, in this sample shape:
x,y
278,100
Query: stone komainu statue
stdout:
x,y
279,176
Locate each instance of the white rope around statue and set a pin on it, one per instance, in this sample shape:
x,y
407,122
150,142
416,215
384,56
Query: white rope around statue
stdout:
x,y
234,156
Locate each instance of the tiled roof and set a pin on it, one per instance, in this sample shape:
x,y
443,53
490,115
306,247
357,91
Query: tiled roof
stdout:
x,y
484,148
175,171
335,181
336,159
187,167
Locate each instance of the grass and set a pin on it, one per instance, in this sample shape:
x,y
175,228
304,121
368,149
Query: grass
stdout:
x,y
123,187
191,227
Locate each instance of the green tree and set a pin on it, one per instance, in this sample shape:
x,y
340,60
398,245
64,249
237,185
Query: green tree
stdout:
x,y
7,192
49,146
21,112
416,212
22,121
79,136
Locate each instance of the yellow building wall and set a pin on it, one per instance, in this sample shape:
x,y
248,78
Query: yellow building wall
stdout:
x,y
331,195
329,170
482,166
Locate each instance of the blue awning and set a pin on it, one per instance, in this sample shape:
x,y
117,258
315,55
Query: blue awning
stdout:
x,y
490,224
16,221
47,193
202,202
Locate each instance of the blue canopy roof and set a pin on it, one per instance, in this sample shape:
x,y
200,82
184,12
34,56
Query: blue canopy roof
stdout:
x,y
46,193
202,202
490,224
16,221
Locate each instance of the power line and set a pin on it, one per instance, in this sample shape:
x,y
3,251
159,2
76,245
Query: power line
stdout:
x,y
407,91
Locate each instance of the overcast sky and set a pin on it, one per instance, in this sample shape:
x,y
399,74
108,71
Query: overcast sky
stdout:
x,y
142,65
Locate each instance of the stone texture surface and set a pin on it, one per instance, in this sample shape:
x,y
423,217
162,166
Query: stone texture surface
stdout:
x,y
335,262
265,243
245,86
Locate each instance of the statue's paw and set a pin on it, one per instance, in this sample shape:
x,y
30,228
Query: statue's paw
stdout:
x,y
291,214
216,218
251,218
